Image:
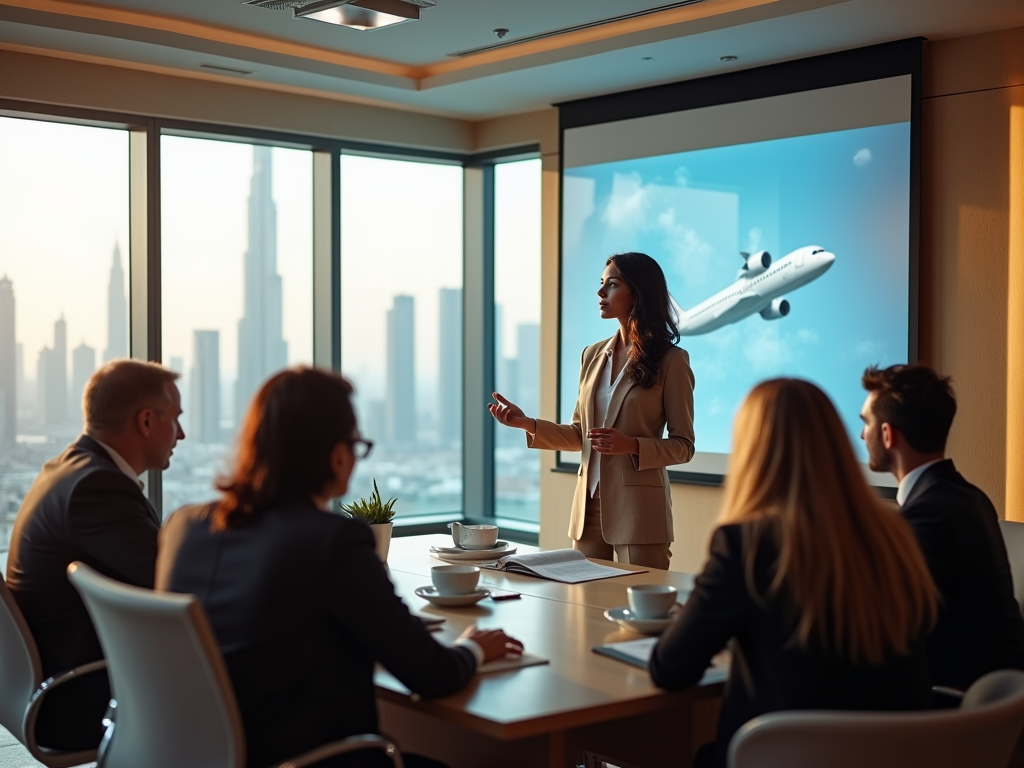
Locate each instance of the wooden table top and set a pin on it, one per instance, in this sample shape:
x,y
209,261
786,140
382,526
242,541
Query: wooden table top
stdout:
x,y
560,622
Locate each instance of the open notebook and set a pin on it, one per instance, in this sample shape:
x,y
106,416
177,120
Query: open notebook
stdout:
x,y
566,565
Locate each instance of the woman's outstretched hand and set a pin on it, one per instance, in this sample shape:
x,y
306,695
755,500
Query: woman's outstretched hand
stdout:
x,y
612,442
510,414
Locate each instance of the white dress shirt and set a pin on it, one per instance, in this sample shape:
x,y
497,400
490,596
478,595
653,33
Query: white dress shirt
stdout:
x,y
123,465
602,397
910,480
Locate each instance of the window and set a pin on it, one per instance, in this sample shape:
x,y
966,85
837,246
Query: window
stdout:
x,y
517,265
64,211
401,327
236,290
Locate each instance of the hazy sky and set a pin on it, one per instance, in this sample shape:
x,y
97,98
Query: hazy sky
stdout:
x,y
64,205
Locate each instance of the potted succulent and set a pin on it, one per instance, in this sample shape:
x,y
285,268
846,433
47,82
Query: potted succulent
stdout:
x,y
377,514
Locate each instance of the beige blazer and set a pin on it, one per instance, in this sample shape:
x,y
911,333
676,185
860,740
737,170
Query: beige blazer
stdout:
x,y
636,502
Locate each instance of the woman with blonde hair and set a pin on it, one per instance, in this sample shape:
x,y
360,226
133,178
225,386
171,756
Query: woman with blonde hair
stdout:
x,y
823,589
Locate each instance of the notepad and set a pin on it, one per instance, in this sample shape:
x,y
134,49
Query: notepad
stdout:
x,y
637,653
512,662
569,566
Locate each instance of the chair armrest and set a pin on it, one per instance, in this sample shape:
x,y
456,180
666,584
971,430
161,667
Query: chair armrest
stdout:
x,y
54,757
351,744
944,697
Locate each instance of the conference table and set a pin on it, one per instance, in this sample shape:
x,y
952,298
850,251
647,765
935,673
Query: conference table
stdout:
x,y
579,707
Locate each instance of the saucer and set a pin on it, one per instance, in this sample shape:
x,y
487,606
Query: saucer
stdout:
x,y
499,546
625,619
452,601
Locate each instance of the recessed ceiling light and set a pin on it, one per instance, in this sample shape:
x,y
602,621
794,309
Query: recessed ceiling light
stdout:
x,y
500,32
364,14
728,58
648,58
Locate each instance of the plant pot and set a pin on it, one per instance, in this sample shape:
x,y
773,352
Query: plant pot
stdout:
x,y
382,535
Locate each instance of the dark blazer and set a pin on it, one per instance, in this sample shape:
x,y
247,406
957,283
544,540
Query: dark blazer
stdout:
x,y
302,608
980,628
80,507
769,672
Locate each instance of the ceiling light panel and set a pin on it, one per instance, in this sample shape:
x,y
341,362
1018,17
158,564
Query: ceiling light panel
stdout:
x,y
363,15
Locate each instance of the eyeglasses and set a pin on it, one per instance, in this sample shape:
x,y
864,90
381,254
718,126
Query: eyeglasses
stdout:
x,y
361,448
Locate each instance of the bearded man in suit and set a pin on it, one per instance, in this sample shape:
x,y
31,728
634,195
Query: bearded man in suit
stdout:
x,y
88,504
907,415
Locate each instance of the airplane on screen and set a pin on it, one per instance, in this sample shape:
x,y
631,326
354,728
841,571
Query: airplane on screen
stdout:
x,y
759,287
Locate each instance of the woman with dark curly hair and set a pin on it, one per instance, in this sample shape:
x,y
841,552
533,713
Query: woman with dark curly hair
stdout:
x,y
633,387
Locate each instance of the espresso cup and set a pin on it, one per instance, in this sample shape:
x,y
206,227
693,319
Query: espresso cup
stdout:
x,y
651,601
474,536
455,579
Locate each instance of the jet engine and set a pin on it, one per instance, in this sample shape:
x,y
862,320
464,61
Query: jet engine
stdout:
x,y
777,309
756,263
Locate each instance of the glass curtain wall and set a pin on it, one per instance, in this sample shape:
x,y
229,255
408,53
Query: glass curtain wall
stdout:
x,y
236,290
64,218
401,327
517,264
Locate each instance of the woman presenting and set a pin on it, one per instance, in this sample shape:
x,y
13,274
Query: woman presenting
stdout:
x,y
632,387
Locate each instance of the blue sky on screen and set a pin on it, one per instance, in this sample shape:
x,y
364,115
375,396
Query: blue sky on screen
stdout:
x,y
846,191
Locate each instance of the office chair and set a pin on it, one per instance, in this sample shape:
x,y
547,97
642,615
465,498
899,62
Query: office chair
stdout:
x,y
22,688
1013,537
173,700
982,733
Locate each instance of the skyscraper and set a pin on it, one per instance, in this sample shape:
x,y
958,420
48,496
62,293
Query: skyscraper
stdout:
x,y
262,349
83,363
53,377
401,370
205,395
528,367
117,312
8,364
450,366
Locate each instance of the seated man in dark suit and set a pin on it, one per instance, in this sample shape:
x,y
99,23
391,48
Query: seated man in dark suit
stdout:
x,y
88,504
907,415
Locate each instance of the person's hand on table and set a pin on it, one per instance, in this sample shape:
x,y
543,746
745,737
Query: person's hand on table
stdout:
x,y
612,442
494,643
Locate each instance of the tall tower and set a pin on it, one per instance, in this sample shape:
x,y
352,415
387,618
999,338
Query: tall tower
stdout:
x,y
528,367
262,349
83,363
56,387
117,312
401,402
450,366
205,395
8,365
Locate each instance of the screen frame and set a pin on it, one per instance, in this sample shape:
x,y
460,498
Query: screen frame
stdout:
x,y
901,57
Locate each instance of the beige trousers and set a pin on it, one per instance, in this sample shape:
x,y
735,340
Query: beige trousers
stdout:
x,y
592,543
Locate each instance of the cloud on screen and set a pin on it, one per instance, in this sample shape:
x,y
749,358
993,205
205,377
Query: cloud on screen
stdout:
x,y
862,158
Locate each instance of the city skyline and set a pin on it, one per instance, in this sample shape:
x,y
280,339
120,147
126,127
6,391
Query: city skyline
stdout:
x,y
117,311
8,365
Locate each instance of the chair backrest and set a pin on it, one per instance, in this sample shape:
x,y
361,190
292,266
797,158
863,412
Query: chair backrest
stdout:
x,y
175,703
981,734
1013,537
21,671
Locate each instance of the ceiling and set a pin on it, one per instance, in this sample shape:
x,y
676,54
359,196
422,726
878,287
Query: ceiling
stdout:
x,y
412,66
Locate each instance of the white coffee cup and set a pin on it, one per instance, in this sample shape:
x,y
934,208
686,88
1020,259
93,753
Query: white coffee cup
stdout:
x,y
474,536
651,601
455,579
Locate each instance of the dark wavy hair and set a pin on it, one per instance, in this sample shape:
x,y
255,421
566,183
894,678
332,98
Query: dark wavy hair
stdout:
x,y
653,321
296,419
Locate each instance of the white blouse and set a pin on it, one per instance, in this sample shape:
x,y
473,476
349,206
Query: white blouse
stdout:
x,y
602,397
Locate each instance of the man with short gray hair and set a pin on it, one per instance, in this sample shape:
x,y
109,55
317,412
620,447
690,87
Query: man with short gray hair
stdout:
x,y
88,504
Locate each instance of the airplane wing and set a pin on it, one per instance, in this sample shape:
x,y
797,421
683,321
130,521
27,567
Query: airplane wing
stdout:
x,y
743,299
